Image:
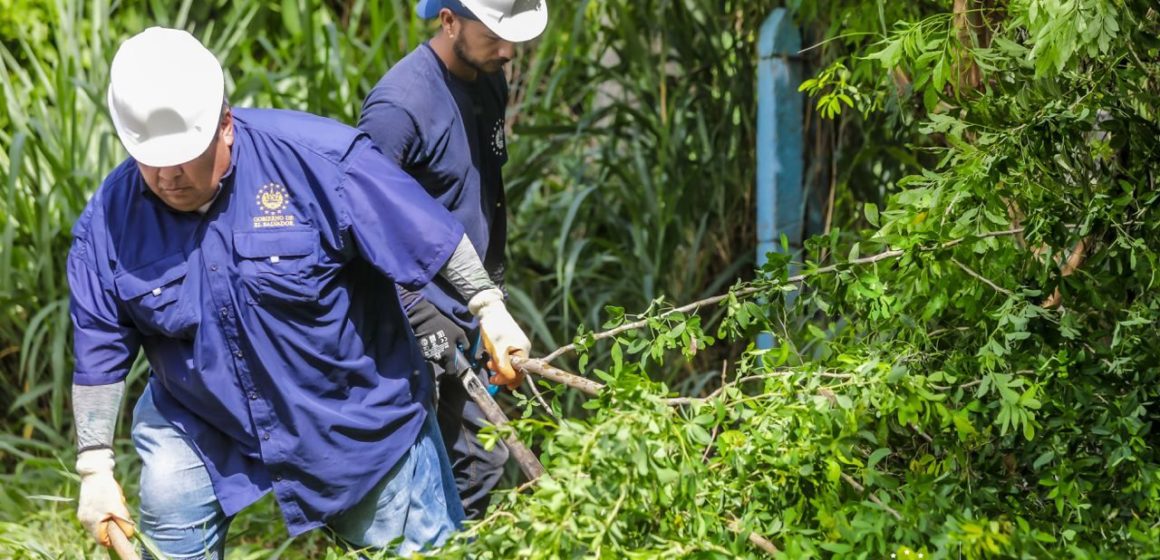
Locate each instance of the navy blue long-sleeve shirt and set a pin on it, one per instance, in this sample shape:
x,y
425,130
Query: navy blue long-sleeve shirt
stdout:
x,y
272,323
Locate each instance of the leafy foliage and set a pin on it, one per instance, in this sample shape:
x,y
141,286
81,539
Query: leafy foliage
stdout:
x,y
969,366
974,378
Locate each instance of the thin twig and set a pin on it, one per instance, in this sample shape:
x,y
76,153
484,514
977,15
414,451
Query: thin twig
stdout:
x,y
967,385
836,140
476,527
982,278
893,254
716,427
757,540
709,446
679,401
938,332
539,397
854,483
922,433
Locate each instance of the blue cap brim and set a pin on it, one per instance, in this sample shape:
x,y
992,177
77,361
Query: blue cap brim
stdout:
x,y
428,9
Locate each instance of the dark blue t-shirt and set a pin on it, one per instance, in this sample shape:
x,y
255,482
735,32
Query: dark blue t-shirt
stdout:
x,y
449,135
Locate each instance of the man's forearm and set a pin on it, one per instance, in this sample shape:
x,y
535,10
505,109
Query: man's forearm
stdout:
x,y
95,412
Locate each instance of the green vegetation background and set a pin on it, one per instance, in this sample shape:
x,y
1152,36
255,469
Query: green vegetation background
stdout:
x,y
920,398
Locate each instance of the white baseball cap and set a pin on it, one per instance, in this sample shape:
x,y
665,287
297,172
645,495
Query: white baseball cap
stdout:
x,y
165,96
513,20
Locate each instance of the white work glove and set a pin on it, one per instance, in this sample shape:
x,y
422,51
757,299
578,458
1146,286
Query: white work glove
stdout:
x,y
101,498
502,337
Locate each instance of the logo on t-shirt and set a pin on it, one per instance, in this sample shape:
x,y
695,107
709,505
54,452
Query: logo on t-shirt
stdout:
x,y
273,199
498,141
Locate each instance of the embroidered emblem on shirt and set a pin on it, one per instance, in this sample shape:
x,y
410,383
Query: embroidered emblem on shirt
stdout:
x,y
273,199
498,141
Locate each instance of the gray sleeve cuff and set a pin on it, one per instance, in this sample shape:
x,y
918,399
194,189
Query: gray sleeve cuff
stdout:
x,y
465,271
95,411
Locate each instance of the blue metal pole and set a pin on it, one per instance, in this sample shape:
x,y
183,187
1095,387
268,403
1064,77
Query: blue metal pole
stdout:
x,y
780,139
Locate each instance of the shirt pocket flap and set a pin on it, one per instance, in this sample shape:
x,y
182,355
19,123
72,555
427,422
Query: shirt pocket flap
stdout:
x,y
262,244
153,279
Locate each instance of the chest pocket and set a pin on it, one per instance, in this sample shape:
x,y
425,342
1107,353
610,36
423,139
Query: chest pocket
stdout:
x,y
276,266
152,294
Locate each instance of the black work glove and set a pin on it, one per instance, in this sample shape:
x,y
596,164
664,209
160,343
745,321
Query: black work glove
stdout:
x,y
439,337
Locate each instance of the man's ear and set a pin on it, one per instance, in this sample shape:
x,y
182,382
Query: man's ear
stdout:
x,y
226,128
449,22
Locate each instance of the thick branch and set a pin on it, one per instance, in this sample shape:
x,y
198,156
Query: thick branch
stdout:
x,y
887,255
541,368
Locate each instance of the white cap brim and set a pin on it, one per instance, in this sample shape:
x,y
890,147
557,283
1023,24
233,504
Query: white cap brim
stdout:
x,y
167,150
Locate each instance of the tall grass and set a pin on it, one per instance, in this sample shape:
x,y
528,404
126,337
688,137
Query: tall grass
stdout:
x,y
633,165
56,146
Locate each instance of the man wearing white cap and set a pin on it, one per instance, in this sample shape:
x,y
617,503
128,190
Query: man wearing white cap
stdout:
x,y
439,113
255,255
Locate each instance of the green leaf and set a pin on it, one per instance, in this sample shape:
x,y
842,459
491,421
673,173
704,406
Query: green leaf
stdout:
x,y
871,211
698,434
667,476
878,455
292,17
838,548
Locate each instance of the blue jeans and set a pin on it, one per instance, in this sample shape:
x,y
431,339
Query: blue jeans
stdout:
x,y
417,500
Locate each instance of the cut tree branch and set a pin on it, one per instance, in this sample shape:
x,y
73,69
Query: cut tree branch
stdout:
x,y
887,255
541,368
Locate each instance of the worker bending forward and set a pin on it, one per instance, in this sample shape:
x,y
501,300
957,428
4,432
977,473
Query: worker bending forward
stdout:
x,y
255,256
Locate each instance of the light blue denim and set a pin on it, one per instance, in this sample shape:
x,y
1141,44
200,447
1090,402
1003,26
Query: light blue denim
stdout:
x,y
416,502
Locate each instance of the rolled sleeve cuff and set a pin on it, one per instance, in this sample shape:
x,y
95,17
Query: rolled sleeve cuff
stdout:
x,y
87,379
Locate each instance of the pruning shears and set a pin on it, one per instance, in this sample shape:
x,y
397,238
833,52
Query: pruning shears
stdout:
x,y
465,370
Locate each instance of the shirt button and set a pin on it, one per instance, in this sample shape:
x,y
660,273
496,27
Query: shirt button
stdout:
x,y
238,353
277,478
266,436
253,395
225,312
499,205
213,267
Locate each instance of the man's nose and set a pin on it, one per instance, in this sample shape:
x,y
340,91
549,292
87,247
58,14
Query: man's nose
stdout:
x,y
506,51
169,173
